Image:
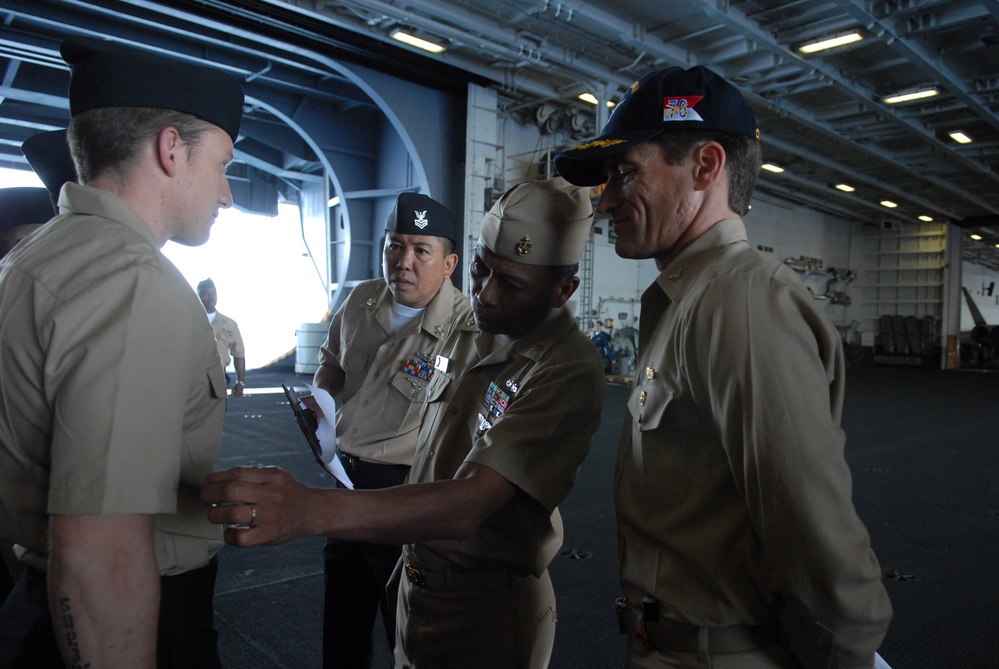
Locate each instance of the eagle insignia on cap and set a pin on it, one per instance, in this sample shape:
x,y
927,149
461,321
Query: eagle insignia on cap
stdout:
x,y
421,219
525,245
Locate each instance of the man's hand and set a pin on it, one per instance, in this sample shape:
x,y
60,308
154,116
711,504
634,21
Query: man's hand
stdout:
x,y
310,402
263,505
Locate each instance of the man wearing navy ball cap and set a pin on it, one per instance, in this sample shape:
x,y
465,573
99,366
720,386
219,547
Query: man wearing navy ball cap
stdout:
x,y
739,544
111,387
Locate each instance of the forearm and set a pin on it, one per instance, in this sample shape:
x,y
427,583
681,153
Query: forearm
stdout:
x,y
240,365
287,510
104,590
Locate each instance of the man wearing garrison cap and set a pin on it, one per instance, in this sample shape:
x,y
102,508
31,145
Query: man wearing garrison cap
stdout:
x,y
382,342
511,407
111,387
739,544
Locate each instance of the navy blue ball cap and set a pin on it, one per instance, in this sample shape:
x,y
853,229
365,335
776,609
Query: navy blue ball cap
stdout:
x,y
24,205
110,74
661,101
48,155
417,214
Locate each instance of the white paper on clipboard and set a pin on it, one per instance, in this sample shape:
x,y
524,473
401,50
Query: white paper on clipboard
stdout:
x,y
326,433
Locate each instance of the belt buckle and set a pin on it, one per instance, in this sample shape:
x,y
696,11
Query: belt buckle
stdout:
x,y
417,577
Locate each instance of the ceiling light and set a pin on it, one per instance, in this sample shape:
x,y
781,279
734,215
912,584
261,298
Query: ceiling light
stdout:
x,y
911,95
769,167
977,237
845,188
960,137
592,99
418,42
888,203
831,43
926,219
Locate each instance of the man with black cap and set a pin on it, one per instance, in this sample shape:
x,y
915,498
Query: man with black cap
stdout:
x,y
739,544
381,341
513,401
112,392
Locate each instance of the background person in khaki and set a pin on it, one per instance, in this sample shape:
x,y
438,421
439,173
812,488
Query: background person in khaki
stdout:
x,y
510,417
739,544
381,341
227,336
112,393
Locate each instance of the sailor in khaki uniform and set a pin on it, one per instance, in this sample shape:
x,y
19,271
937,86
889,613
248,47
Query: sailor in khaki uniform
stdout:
x,y
227,336
113,396
739,543
512,406
381,346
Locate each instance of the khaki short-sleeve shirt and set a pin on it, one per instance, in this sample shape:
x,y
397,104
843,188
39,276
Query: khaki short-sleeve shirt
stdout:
x,y
527,410
228,338
112,392
383,393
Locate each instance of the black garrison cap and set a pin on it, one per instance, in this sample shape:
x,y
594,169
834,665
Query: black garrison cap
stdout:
x,y
417,214
24,205
110,74
48,155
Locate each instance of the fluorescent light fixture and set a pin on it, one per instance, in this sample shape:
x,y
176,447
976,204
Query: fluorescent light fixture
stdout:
x,y
830,43
770,167
977,237
888,203
960,137
592,99
926,219
912,95
845,188
418,42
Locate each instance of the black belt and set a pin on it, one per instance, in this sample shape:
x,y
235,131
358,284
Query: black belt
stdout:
x,y
680,637
354,464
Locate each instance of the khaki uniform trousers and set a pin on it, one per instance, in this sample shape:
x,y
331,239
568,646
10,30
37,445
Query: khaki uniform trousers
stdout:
x,y
507,625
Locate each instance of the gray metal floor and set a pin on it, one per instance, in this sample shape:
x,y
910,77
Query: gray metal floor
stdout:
x,y
921,444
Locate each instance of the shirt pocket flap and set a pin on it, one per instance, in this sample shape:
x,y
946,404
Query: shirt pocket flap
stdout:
x,y
648,404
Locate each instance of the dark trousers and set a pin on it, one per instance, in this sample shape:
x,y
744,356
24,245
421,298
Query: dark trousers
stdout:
x,y
356,574
186,637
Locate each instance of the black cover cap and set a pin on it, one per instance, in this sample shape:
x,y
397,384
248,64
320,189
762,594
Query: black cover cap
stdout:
x,y
661,101
48,155
417,214
110,74
24,205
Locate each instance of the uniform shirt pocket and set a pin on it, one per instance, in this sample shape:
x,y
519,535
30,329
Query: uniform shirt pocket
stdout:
x,y
403,402
648,403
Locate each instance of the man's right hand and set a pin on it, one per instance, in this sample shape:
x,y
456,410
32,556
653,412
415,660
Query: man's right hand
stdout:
x,y
262,505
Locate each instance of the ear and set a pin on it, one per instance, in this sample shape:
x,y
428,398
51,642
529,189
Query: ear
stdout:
x,y
169,148
563,290
709,164
450,263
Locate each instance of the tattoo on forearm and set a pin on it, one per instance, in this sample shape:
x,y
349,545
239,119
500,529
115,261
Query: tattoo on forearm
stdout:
x,y
76,661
